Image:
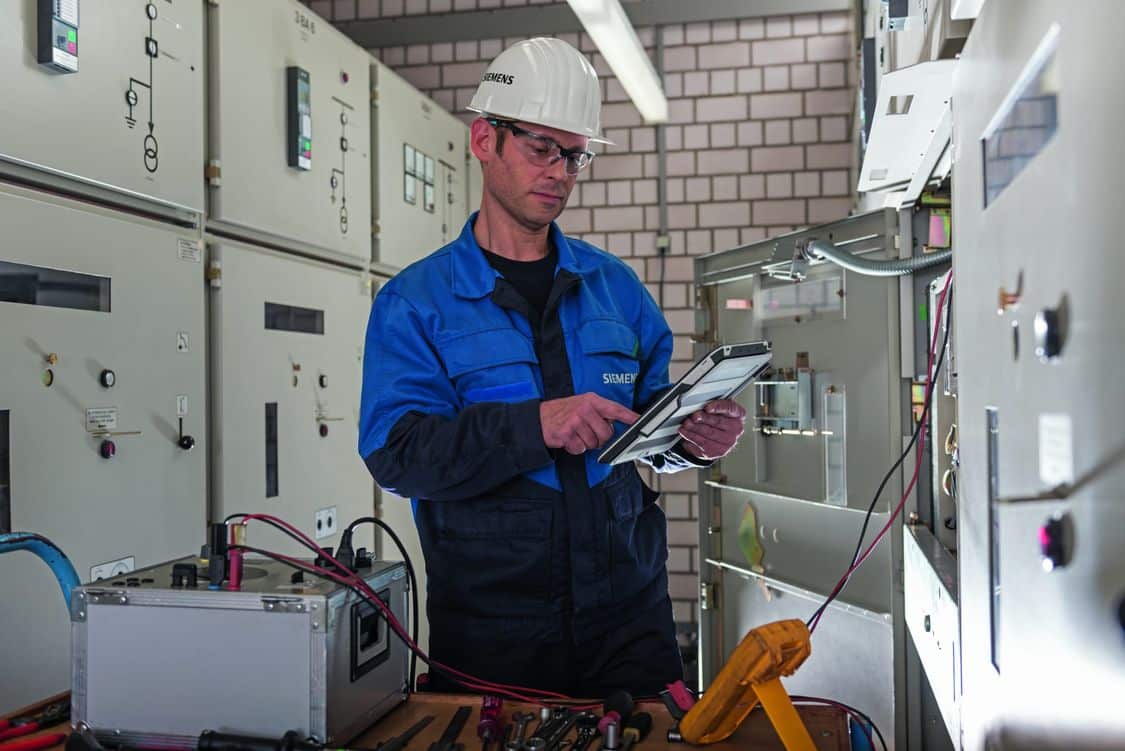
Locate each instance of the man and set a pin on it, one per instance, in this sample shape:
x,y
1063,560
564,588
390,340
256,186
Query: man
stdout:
x,y
495,369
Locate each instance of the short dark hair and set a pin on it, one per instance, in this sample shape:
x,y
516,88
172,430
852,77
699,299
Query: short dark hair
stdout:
x,y
501,135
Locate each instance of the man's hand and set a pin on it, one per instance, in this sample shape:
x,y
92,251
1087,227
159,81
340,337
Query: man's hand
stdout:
x,y
713,431
580,423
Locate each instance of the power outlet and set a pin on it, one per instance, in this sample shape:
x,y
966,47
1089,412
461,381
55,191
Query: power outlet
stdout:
x,y
112,569
325,522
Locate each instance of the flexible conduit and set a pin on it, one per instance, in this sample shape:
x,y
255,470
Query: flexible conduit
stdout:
x,y
869,267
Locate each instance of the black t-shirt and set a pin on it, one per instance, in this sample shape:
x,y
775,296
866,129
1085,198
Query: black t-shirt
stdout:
x,y
532,279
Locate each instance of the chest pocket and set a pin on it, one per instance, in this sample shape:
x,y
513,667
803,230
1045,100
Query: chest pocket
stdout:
x,y
612,367
497,365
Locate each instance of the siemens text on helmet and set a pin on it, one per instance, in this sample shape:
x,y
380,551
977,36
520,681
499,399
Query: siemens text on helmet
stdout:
x,y
505,78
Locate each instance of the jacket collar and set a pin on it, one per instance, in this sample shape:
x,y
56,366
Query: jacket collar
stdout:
x,y
474,278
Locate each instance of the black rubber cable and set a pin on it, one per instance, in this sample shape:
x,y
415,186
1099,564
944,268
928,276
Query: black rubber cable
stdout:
x,y
413,583
890,473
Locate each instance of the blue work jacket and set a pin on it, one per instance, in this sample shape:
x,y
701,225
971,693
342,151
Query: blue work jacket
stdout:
x,y
517,538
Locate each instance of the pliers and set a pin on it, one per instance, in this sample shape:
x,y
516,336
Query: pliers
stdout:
x,y
12,731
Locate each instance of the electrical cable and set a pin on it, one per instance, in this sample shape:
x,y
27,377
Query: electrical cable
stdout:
x,y
349,579
368,596
49,553
863,719
894,468
932,370
409,572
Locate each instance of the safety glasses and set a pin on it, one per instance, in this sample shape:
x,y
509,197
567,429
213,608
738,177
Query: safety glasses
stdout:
x,y
543,151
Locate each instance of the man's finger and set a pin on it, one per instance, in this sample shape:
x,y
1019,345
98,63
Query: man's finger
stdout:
x,y
718,421
725,407
602,429
575,446
708,433
584,433
694,448
611,410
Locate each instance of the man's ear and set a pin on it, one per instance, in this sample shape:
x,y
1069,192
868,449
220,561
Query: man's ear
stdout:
x,y
482,140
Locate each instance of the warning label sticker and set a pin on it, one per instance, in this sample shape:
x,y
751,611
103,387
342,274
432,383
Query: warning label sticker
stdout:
x,y
189,250
101,419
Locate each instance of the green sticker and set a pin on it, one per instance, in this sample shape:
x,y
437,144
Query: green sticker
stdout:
x,y
748,540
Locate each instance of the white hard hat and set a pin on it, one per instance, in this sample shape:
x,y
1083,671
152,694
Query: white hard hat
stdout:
x,y
543,81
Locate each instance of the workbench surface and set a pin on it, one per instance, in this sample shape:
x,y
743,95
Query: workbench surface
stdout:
x,y
827,726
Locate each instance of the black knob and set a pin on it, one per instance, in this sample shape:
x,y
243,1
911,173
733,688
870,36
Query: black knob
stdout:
x,y
107,378
298,577
1048,334
186,442
362,558
108,449
1053,543
322,381
323,430
184,575
620,702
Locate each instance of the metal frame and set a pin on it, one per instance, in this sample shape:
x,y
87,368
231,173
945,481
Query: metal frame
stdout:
x,y
875,232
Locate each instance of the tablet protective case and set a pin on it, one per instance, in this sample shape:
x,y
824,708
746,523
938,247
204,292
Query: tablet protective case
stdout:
x,y
722,374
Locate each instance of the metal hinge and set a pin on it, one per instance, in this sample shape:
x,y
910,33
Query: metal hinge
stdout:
x,y
283,605
708,595
81,600
215,273
213,173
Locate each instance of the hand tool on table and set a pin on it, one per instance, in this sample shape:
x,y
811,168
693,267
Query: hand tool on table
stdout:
x,y
50,715
551,730
587,723
210,740
488,727
558,731
33,743
518,735
448,740
636,730
398,742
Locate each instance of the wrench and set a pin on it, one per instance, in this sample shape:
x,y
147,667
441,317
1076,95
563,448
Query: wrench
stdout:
x,y
521,719
587,731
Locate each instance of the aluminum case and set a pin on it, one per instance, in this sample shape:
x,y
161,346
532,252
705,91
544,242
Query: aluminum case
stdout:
x,y
156,665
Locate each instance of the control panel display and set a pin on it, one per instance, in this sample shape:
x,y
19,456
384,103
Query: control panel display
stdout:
x,y
299,115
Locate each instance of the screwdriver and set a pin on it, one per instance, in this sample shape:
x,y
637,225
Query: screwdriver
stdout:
x,y
488,729
636,729
448,740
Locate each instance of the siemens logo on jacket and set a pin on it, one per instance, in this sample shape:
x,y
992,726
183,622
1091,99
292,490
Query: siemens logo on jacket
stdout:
x,y
504,78
618,378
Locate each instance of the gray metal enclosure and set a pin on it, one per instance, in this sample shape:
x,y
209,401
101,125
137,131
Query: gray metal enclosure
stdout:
x,y
253,192
1038,183
127,124
102,340
286,349
823,429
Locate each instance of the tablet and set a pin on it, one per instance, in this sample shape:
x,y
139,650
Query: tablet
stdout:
x,y
724,372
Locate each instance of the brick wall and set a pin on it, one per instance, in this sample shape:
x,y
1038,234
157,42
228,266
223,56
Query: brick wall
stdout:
x,y
759,143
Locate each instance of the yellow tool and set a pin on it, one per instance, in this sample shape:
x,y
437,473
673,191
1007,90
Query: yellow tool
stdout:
x,y
753,674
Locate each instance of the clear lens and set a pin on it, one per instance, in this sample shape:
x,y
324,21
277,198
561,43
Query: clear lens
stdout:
x,y
543,152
